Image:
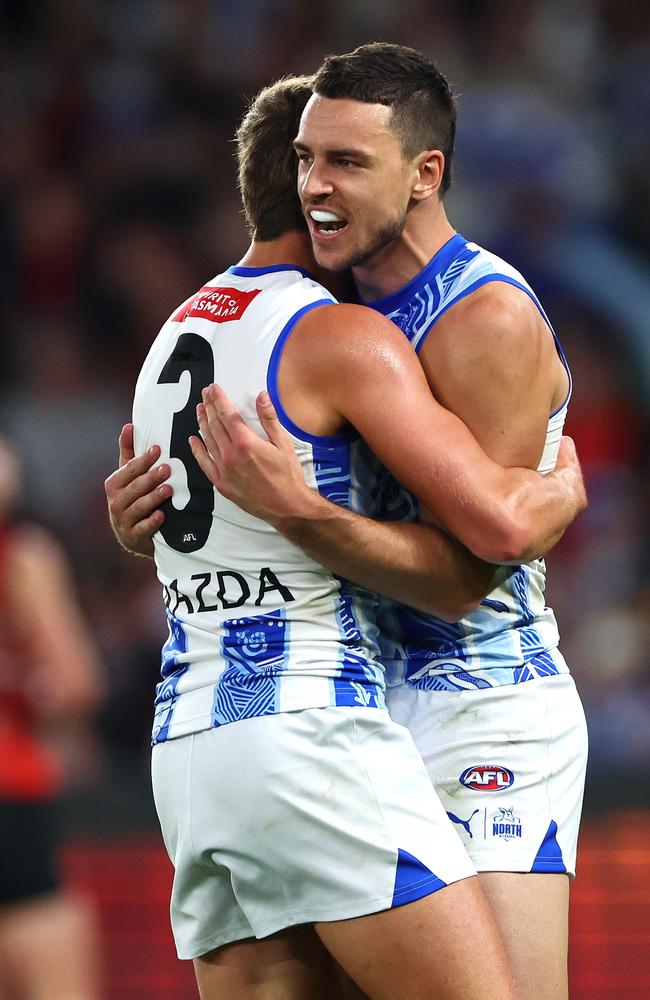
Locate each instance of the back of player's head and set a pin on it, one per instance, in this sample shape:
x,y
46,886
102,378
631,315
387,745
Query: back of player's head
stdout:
x,y
423,107
267,164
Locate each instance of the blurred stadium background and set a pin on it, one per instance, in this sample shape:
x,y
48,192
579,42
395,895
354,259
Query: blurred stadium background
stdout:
x,y
117,200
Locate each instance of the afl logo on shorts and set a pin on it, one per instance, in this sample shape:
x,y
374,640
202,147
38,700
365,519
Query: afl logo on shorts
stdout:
x,y
487,777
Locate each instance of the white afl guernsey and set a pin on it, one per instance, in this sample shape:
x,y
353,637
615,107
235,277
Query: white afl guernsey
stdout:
x,y
315,805
512,636
507,758
255,626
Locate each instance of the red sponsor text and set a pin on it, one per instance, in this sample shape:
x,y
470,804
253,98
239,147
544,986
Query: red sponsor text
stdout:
x,y
218,304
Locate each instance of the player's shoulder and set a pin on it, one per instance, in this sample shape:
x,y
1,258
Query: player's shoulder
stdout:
x,y
348,322
344,342
495,335
496,314
496,303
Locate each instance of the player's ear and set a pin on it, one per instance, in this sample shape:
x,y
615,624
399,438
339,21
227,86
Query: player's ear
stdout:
x,y
430,167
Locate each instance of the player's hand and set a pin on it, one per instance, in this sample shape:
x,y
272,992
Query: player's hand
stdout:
x,y
568,468
263,477
134,492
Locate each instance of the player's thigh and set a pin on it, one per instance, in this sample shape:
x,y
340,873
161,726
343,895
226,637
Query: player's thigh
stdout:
x,y
444,945
537,947
290,965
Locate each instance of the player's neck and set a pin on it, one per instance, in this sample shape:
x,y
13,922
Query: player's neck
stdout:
x,y
294,248
427,229
291,248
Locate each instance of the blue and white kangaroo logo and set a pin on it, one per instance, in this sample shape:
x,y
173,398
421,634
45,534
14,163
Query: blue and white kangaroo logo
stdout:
x,y
463,822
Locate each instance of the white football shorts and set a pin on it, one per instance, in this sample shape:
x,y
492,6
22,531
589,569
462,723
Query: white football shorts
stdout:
x,y
509,765
318,815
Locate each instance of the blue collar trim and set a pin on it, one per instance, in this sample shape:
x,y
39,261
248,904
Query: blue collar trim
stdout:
x,y
437,265
255,272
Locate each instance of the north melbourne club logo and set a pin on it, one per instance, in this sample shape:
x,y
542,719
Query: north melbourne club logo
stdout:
x,y
506,825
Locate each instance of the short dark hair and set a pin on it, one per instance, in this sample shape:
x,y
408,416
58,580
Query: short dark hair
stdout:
x,y
267,165
423,107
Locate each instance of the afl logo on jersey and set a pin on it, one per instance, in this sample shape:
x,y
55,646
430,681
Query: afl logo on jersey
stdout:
x,y
487,777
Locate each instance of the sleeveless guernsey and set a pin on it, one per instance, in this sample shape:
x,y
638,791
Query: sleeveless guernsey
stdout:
x,y
256,627
512,636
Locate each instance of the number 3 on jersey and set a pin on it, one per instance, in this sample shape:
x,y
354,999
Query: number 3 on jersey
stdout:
x,y
187,530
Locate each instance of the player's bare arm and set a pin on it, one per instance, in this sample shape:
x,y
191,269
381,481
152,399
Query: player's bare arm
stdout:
x,y
134,492
492,360
376,383
398,558
505,405
412,563
372,379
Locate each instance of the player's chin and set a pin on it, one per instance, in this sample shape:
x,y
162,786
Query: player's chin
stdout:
x,y
333,258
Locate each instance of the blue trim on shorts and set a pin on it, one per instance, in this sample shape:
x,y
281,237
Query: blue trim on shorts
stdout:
x,y
549,856
413,880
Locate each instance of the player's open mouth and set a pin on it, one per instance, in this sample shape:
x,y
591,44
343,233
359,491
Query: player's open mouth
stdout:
x,y
326,224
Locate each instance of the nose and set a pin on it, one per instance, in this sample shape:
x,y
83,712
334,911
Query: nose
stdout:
x,y
314,182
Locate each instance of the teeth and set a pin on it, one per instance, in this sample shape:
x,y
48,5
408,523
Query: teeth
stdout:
x,y
319,216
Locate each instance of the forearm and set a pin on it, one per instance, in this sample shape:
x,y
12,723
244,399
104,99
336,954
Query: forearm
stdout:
x,y
543,521
501,513
535,515
142,547
413,563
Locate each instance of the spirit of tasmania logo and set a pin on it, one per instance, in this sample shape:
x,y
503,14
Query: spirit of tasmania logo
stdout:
x,y
487,777
220,305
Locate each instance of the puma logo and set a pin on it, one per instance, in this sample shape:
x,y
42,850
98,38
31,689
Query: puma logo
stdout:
x,y
463,822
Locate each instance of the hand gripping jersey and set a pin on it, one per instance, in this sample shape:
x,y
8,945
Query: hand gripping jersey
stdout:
x,y
512,636
256,627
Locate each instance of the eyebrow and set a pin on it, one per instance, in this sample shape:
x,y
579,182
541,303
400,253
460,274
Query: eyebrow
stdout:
x,y
355,154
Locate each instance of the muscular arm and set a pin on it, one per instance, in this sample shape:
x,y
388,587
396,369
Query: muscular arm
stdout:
x,y
393,559
329,378
346,364
501,515
492,361
413,563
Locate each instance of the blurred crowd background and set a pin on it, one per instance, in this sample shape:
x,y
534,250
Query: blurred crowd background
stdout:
x,y
118,200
